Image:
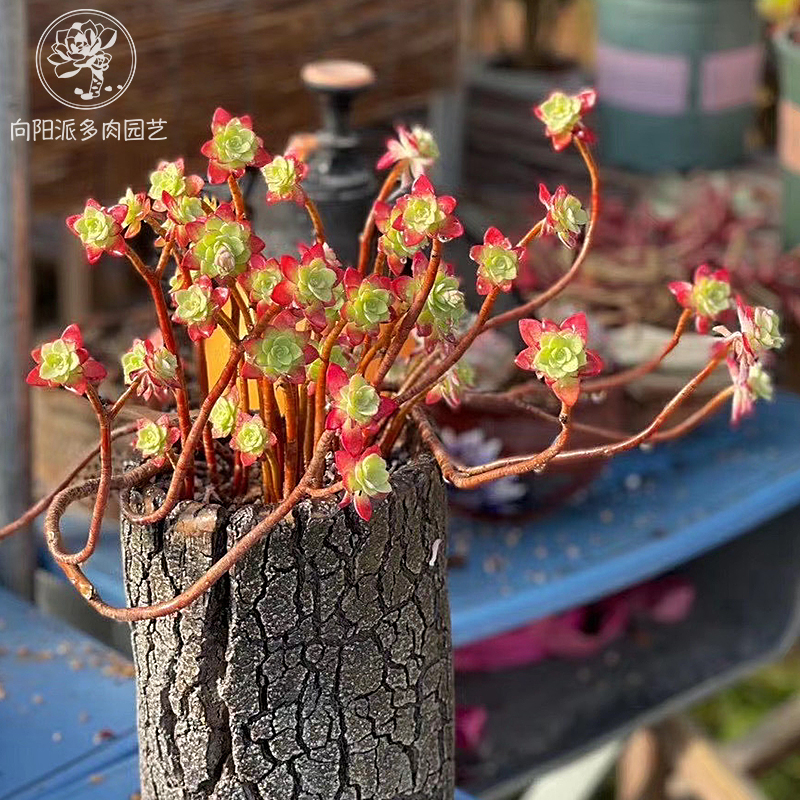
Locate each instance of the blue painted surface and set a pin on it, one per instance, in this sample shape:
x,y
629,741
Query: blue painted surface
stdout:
x,y
63,695
694,495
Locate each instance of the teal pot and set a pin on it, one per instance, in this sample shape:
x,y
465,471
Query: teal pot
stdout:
x,y
677,81
788,54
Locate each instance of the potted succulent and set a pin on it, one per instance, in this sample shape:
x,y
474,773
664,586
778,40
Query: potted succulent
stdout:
x,y
678,81
784,15
283,536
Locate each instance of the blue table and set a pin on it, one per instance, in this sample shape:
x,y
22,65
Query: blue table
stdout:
x,y
66,707
648,512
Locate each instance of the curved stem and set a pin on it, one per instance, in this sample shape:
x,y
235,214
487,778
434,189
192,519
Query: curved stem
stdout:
x,y
463,345
607,450
316,219
211,576
410,318
41,505
236,196
365,239
540,299
628,375
103,484
472,477
196,430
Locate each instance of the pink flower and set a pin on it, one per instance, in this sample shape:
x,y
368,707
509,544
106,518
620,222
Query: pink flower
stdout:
x,y
232,147
99,229
197,305
421,215
563,114
498,262
558,354
357,408
64,362
708,296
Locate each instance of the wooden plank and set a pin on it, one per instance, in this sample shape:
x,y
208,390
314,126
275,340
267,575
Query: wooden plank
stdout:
x,y
641,769
769,742
698,768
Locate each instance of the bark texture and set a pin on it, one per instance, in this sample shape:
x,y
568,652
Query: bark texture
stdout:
x,y
319,669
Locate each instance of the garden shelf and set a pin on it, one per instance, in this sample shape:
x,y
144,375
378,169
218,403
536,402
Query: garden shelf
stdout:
x,y
746,613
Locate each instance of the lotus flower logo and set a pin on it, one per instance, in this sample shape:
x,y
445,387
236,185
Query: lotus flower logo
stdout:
x,y
77,49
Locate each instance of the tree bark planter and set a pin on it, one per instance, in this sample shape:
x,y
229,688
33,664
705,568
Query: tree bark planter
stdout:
x,y
320,668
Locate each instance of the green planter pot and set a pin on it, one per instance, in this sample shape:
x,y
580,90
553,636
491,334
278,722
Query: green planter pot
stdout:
x,y
677,81
788,54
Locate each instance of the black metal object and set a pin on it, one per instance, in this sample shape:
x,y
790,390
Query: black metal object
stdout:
x,y
339,180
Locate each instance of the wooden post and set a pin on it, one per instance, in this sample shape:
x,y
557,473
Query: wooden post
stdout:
x,y
16,554
320,668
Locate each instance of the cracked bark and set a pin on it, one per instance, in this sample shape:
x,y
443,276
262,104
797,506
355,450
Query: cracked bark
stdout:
x,y
319,669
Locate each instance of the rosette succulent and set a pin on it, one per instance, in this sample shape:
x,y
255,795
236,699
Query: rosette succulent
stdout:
x,y
154,367
365,478
760,326
197,305
558,354
283,176
64,362
181,213
251,439
498,262
223,245
357,408
392,241
260,281
154,439
169,177
281,352
452,384
309,285
708,296
565,215
232,147
224,414
562,115
421,215
369,304
99,229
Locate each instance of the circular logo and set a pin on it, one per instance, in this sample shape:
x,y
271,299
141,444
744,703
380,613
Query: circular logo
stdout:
x,y
85,59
